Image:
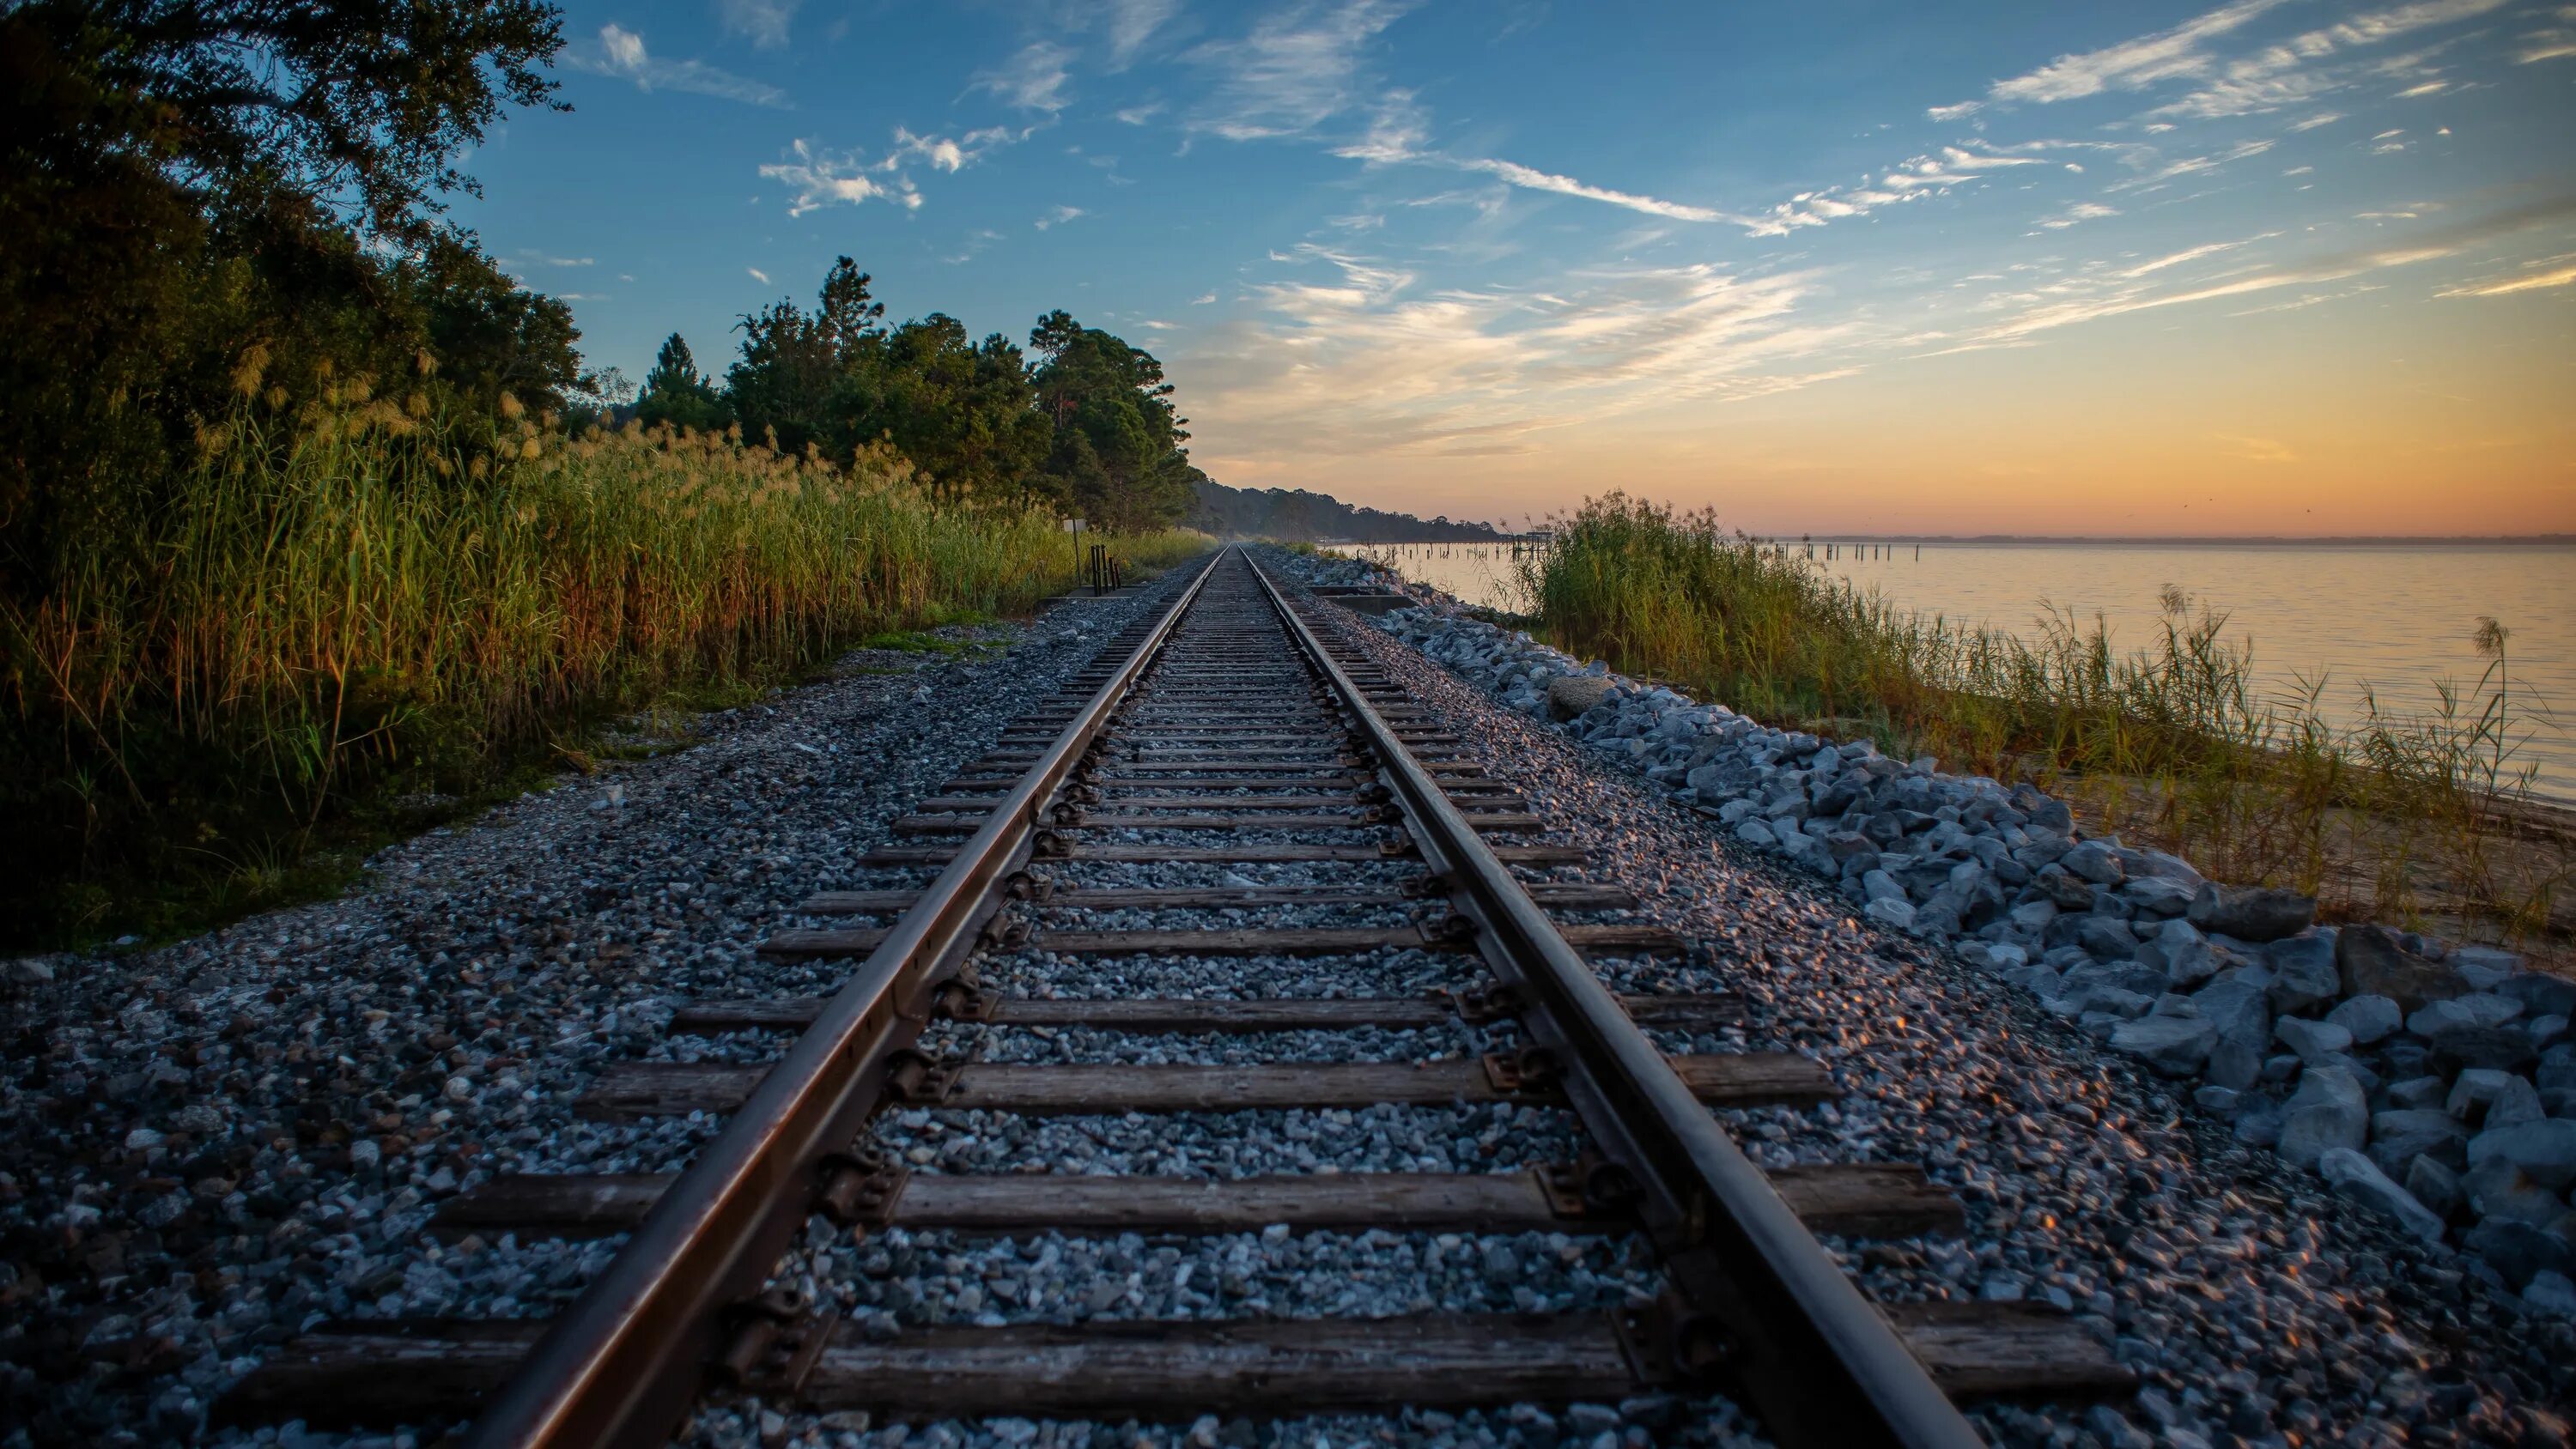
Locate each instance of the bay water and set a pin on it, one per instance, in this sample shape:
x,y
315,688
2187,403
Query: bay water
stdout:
x,y
2394,621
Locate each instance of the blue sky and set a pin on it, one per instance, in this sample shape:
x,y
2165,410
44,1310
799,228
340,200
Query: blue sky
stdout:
x,y
2043,268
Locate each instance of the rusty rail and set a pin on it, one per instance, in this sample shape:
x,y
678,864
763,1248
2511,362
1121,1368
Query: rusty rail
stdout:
x,y
1764,1306
627,1360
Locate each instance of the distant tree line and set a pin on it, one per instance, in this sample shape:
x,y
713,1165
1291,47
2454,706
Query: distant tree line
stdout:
x,y
1300,516
1080,421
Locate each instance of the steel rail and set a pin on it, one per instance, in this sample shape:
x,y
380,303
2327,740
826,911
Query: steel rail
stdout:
x,y
624,1364
1819,1361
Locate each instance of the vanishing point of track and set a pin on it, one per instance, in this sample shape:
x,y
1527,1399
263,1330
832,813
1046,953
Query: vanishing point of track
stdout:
x,y
1234,727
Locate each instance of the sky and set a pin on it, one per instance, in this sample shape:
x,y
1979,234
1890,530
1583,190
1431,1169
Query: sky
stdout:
x,y
2273,267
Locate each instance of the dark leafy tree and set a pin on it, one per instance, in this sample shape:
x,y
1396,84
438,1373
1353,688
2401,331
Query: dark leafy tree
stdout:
x,y
800,372
366,103
963,413
676,393
182,180
1116,457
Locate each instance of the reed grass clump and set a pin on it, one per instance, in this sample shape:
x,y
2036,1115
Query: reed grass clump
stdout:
x,y
356,594
2417,817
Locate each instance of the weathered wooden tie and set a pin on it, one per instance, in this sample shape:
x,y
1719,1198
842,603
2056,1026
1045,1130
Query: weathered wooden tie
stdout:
x,y
626,1090
435,1371
1876,1200
1257,941
1185,1016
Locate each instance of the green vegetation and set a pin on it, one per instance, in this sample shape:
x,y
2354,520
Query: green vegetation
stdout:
x,y
1089,430
360,598
2394,817
314,527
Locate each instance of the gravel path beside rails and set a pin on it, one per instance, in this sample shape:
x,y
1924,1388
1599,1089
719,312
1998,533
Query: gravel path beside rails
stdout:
x,y
207,1147
2260,1304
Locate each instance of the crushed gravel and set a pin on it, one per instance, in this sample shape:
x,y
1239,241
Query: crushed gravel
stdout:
x,y
206,1148
2257,1307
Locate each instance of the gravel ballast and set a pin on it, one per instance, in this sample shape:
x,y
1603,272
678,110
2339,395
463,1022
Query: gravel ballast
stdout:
x,y
206,1148
211,1147
2254,1299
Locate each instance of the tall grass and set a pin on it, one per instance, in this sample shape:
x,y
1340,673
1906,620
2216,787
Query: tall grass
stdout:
x,y
2392,816
355,594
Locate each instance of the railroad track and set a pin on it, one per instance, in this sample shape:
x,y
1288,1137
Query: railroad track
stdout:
x,y
1232,799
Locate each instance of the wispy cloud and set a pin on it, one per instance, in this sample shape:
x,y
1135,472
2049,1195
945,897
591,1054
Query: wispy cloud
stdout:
x,y
764,22
1530,178
1132,23
2558,271
1364,360
1033,80
1398,134
2260,450
943,153
2304,67
2119,292
1395,138
2194,165
2551,41
2264,78
2081,211
974,246
821,178
620,52
758,275
1294,70
2129,65
540,259
1058,216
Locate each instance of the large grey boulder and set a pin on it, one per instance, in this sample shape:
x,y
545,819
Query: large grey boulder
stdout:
x,y
1574,695
2326,1112
2519,1250
2066,891
2497,1189
2373,962
2369,1018
2417,1093
2251,913
2475,1030
2243,1021
2356,1177
2107,939
2303,975
2540,995
2314,1041
2545,1150
2434,1185
2170,1046
2400,1136
2095,861
2156,895
2493,1097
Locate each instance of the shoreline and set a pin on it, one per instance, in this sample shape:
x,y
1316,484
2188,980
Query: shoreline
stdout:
x,y
2097,540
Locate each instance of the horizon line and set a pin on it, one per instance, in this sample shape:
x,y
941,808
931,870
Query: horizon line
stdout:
x,y
2312,539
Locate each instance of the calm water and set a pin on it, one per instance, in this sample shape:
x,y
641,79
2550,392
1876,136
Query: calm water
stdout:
x,y
2394,617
